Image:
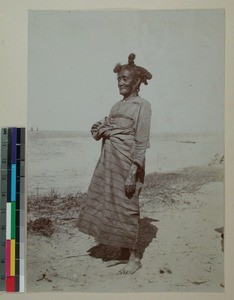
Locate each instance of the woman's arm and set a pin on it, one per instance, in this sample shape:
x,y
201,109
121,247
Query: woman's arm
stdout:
x,y
142,133
95,129
141,144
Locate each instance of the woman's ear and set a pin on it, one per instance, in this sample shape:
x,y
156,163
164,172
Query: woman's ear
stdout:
x,y
138,82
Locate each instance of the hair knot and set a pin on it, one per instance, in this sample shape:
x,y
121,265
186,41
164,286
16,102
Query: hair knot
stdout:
x,y
140,72
131,58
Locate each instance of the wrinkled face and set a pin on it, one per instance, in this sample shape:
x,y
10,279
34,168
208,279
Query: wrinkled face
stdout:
x,y
126,82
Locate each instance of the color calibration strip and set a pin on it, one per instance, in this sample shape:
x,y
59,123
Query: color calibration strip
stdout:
x,y
12,209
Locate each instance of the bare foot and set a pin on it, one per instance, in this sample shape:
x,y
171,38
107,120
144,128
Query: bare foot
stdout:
x,y
131,267
122,258
115,263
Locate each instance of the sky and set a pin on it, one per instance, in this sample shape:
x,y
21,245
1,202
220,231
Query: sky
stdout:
x,y
71,56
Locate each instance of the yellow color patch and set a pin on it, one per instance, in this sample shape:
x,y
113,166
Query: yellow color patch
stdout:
x,y
12,257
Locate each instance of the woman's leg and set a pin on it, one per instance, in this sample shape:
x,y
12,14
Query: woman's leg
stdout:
x,y
134,263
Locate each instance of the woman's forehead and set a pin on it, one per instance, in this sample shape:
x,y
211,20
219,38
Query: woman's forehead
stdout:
x,y
125,72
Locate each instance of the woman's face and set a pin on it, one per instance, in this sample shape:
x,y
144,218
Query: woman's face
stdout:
x,y
126,83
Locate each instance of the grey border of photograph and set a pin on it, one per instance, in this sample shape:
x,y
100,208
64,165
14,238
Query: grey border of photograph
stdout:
x,y
13,100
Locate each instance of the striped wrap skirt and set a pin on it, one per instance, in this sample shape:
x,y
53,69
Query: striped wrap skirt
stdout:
x,y
108,214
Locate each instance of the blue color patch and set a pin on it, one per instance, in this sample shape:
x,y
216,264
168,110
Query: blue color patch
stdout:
x,y
13,182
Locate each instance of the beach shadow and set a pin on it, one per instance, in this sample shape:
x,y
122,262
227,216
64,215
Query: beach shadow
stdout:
x,y
147,232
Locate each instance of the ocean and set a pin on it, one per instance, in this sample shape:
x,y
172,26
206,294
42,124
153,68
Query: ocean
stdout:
x,y
65,161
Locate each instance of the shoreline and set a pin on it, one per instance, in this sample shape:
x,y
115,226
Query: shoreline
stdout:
x,y
215,164
67,164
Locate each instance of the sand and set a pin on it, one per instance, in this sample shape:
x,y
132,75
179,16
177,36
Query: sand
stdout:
x,y
185,256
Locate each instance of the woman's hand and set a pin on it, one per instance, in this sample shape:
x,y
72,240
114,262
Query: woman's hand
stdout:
x,y
106,134
96,129
130,182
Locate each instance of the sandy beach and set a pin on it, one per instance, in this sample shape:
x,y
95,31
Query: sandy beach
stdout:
x,y
182,251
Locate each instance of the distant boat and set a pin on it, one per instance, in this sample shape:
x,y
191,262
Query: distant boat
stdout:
x,y
32,129
188,142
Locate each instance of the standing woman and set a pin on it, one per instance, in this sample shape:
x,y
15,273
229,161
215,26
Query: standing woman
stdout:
x,y
111,211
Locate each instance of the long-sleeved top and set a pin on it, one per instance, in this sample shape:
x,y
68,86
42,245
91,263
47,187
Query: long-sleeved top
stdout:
x,y
133,113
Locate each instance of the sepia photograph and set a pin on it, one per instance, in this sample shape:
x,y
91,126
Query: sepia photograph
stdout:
x,y
125,117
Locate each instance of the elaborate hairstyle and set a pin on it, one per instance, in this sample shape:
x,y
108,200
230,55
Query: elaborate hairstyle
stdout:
x,y
140,72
